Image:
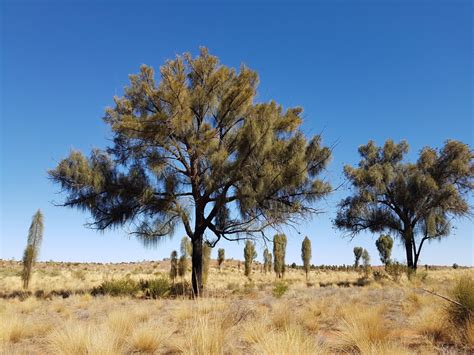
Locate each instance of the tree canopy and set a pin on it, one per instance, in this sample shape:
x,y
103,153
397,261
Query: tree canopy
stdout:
x,y
384,245
414,201
194,148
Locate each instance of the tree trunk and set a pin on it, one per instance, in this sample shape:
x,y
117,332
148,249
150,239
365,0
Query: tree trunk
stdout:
x,y
197,266
409,251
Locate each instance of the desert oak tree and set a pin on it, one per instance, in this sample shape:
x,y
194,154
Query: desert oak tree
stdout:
x,y
415,201
194,148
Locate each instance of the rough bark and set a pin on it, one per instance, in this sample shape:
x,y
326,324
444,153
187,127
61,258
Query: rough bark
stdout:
x,y
408,236
197,266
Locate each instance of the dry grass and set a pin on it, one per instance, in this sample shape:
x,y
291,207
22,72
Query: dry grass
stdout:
x,y
148,338
379,318
363,329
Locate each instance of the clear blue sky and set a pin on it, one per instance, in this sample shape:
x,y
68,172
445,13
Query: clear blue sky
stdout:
x,y
361,69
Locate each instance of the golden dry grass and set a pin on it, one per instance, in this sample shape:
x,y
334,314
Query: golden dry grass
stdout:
x,y
235,317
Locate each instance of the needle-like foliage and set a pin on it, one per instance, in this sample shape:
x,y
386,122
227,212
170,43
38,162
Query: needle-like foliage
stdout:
x,y
357,255
279,252
194,148
35,237
206,262
267,261
415,201
250,254
220,257
306,255
384,245
173,265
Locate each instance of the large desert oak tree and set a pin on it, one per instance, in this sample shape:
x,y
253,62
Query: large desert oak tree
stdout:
x,y
194,148
415,201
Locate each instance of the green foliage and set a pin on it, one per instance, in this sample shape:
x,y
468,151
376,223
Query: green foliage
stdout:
x,y
173,265
366,263
395,270
195,142
279,289
249,254
267,261
182,266
155,288
463,294
279,251
220,257
455,266
120,287
357,255
186,249
186,246
415,201
306,255
35,237
206,261
384,245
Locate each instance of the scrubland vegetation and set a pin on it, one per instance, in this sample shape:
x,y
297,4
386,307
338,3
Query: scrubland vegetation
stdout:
x,y
195,148
125,308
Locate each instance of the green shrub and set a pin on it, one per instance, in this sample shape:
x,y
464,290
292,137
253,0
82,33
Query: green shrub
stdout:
x,y
462,293
395,270
155,288
455,266
280,289
120,287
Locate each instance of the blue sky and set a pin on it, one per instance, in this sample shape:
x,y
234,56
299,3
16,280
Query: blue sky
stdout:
x,y
360,69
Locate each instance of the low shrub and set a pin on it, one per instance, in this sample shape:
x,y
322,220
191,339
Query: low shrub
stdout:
x,y
279,289
155,288
395,270
120,287
463,294
249,287
180,288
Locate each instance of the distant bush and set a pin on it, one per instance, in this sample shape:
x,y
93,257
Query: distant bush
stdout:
x,y
455,266
280,289
120,287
